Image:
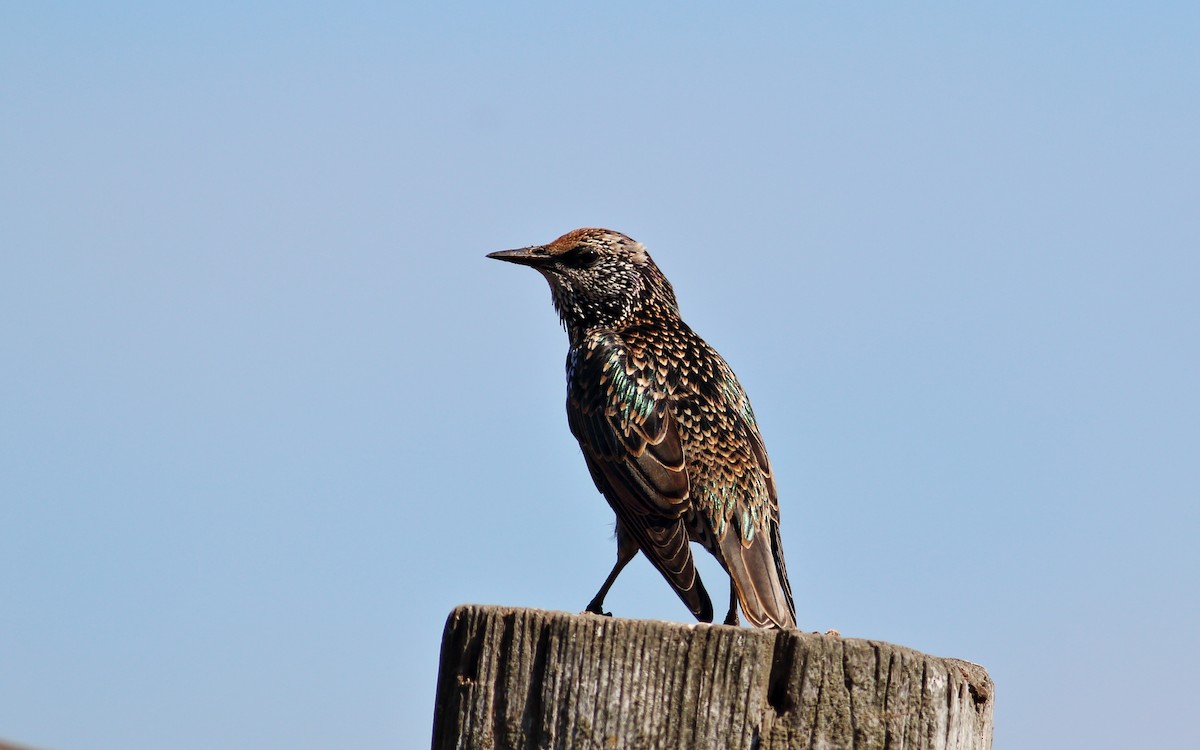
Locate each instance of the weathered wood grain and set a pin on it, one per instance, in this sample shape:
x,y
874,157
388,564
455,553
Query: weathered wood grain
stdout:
x,y
521,678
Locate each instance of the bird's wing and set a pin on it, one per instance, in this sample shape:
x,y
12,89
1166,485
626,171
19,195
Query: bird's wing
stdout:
x,y
629,437
740,501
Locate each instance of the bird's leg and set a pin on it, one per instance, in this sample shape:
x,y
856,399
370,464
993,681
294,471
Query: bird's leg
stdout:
x,y
627,549
732,617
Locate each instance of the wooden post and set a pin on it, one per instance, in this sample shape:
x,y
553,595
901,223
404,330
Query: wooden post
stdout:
x,y
522,678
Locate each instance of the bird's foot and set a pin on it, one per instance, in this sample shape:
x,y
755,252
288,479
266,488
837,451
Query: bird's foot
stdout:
x,y
596,608
732,618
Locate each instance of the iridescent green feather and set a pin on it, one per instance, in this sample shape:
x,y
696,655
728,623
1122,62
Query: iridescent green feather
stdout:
x,y
733,391
633,397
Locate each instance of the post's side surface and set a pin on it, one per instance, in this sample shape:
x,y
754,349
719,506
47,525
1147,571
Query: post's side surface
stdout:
x,y
522,678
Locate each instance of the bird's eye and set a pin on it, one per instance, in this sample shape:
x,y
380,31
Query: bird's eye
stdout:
x,y
581,255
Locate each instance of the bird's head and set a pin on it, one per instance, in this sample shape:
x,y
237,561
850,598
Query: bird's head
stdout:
x,y
598,278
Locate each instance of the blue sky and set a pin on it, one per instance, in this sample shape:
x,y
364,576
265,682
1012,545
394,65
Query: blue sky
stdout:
x,y
268,414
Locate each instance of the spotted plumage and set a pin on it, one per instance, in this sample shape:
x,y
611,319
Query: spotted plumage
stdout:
x,y
666,429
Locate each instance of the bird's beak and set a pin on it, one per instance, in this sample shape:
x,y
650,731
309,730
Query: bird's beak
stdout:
x,y
526,256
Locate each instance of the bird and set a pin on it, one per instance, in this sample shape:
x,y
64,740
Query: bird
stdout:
x,y
665,427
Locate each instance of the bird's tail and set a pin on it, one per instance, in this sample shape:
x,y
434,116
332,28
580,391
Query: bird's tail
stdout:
x,y
760,578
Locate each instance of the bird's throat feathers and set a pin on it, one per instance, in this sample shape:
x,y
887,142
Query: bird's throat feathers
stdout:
x,y
615,295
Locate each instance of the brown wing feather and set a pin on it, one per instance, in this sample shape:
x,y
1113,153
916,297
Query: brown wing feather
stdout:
x,y
635,455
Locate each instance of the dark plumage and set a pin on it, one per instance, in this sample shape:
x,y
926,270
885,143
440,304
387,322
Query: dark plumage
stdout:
x,y
665,427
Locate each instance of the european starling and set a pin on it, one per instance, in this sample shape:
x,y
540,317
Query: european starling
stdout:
x,y
665,427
